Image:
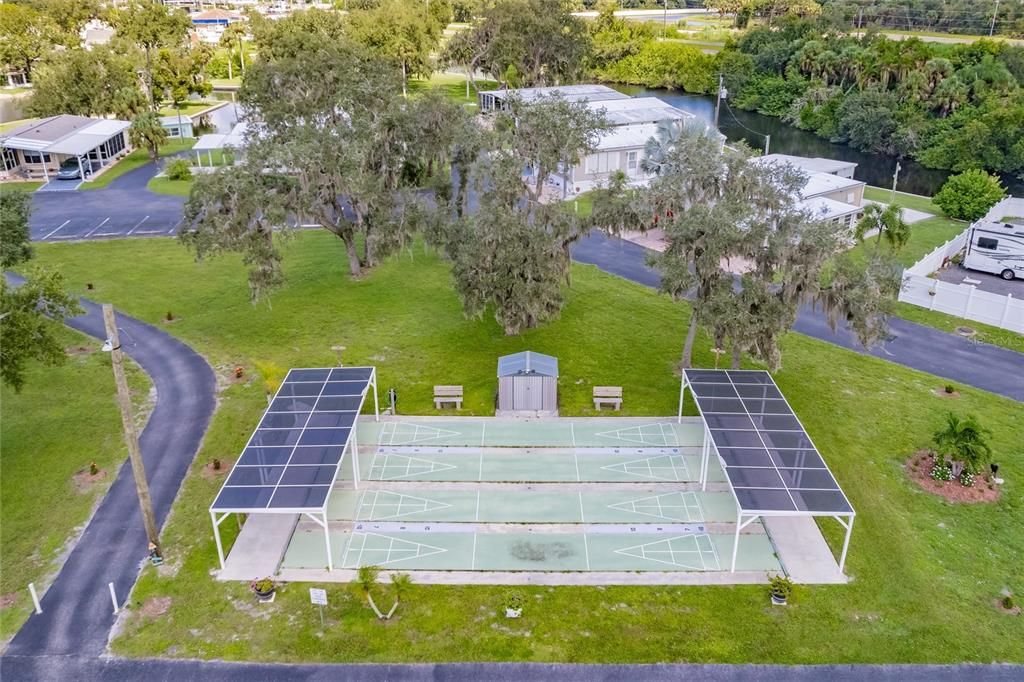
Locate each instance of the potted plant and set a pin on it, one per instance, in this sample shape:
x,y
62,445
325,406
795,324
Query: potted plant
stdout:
x,y
513,604
264,588
781,589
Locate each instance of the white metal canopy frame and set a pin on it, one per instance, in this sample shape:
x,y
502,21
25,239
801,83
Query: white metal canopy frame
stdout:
x,y
292,459
773,467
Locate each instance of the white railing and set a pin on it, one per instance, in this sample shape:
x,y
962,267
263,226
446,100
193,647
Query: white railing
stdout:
x,y
961,300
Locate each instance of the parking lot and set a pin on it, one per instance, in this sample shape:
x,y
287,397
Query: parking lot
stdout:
x,y
103,214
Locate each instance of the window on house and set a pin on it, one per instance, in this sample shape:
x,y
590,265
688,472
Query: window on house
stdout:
x,y
35,157
851,197
987,243
631,162
10,159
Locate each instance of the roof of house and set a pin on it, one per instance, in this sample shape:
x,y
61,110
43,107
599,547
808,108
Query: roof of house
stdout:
x,y
527,362
825,183
63,134
637,110
175,120
815,164
211,141
215,15
636,135
825,209
570,92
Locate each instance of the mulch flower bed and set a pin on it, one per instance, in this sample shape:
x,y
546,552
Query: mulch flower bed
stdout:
x,y
919,468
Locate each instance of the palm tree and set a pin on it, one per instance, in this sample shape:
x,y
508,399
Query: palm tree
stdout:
x,y
401,582
367,578
147,131
887,222
964,441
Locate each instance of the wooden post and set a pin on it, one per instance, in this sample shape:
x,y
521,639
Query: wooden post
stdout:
x,y
131,437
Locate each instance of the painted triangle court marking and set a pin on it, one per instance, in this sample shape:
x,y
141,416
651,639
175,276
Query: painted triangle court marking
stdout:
x,y
404,433
381,550
677,506
655,435
682,551
393,467
658,467
379,505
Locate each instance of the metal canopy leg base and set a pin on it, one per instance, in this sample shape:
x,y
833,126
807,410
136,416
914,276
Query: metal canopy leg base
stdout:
x,y
848,525
322,522
740,525
216,534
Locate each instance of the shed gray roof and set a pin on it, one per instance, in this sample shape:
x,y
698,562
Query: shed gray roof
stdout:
x,y
527,362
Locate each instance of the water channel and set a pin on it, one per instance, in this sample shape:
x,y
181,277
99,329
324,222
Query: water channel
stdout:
x,y
874,169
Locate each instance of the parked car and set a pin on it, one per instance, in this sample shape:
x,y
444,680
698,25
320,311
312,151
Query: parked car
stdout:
x,y
70,170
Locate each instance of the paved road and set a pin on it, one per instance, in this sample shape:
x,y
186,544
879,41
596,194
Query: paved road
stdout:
x,y
124,209
923,348
85,670
77,611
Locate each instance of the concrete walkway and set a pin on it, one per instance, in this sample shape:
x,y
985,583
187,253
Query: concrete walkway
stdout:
x,y
259,547
803,551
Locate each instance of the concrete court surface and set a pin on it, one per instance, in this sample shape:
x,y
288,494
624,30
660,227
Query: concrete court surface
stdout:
x,y
465,497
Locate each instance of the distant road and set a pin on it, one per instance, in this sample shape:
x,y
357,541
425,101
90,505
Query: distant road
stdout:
x,y
955,39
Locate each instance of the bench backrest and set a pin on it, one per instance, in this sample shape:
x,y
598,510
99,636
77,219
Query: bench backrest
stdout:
x,y
607,391
453,391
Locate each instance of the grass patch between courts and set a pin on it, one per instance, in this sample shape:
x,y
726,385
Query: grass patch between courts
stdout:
x,y
926,573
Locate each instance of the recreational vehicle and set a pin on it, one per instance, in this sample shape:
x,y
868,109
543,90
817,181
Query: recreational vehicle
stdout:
x,y
997,248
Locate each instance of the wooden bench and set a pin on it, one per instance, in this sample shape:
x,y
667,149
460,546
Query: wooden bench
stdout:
x,y
448,394
608,395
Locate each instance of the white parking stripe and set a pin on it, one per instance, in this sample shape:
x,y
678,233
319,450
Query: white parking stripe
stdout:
x,y
137,226
171,231
57,230
89,233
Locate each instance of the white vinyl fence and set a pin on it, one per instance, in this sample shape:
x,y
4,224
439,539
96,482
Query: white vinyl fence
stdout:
x,y
961,300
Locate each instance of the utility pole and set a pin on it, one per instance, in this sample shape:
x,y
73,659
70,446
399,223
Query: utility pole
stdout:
x,y
767,142
131,436
992,26
895,177
718,99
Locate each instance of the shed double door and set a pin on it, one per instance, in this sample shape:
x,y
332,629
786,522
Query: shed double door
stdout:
x,y
528,393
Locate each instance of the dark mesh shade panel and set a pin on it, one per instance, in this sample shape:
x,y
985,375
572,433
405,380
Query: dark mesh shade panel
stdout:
x,y
292,458
770,461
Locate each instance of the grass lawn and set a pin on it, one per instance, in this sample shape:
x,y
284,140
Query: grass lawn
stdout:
x,y
162,185
226,82
136,159
451,84
926,573
26,186
187,108
914,201
925,236
64,418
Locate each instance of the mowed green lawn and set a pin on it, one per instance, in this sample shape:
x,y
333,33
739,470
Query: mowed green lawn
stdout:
x,y
926,574
64,418
452,85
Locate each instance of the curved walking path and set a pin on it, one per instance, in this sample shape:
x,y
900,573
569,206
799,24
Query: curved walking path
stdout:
x,y
77,611
990,368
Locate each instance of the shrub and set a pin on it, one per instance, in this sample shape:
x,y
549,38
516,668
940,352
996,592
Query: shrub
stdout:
x,y
178,169
781,587
514,601
1008,602
969,195
965,442
950,388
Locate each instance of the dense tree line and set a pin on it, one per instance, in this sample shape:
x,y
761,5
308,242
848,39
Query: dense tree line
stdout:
x,y
951,106
947,16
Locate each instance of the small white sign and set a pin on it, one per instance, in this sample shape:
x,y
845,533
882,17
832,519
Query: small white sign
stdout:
x,y
318,596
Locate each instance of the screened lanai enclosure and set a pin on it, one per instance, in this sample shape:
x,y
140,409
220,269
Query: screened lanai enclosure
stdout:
x,y
772,466
528,383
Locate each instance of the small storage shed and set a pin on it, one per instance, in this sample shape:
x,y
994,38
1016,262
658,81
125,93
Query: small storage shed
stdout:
x,y
528,382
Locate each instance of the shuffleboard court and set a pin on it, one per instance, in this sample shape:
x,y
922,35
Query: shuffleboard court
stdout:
x,y
490,432
533,465
469,549
532,506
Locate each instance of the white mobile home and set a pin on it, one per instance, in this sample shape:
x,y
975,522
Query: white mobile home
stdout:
x,y
996,248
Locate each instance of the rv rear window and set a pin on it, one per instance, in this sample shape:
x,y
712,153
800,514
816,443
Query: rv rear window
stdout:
x,y
987,243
